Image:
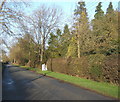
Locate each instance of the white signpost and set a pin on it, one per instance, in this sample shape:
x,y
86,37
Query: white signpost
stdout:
x,y
44,67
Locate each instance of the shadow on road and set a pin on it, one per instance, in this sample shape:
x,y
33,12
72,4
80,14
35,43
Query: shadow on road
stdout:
x,y
16,71
34,79
20,70
16,87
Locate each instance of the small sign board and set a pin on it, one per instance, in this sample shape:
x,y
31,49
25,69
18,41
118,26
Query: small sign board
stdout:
x,y
44,67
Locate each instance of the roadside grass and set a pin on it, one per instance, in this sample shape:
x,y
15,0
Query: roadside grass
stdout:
x,y
100,87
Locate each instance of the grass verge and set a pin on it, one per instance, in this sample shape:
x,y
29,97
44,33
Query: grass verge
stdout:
x,y
100,87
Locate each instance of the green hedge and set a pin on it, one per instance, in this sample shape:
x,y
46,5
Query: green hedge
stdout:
x,y
95,67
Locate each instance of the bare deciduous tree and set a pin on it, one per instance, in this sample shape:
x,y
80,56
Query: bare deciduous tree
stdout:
x,y
9,13
45,20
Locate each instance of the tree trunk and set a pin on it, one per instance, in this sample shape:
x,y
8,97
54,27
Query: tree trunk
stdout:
x,y
29,62
42,50
78,48
14,60
78,44
41,56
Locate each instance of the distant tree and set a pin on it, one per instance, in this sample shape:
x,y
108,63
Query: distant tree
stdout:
x,y
16,55
24,51
4,57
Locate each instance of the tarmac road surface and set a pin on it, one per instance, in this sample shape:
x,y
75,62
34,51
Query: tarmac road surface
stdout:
x,y
21,84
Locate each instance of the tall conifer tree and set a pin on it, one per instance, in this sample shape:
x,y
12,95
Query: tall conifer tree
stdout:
x,y
81,28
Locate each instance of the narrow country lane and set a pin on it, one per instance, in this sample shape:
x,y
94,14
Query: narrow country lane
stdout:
x,y
21,84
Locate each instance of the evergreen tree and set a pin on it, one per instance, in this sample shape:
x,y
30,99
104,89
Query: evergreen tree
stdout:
x,y
105,30
81,27
98,27
111,30
99,11
80,8
55,45
72,49
58,35
58,32
66,30
110,8
65,40
98,21
52,45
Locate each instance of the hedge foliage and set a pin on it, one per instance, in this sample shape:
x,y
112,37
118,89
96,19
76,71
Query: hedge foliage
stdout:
x,y
97,67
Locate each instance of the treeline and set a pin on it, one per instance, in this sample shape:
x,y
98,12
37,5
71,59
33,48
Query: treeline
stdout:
x,y
84,50
98,36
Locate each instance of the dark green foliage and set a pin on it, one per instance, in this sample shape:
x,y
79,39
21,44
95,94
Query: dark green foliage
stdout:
x,y
66,29
52,49
105,31
98,21
58,32
96,71
65,40
99,12
110,8
95,65
59,42
55,46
